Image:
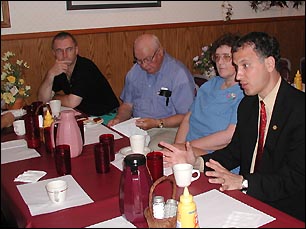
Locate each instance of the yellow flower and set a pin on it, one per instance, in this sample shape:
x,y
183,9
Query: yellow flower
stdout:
x,y
11,79
13,83
21,92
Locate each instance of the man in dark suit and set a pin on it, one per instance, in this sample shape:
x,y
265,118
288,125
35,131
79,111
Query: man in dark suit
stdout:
x,y
279,179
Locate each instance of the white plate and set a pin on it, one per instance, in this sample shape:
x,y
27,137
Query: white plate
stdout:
x,y
91,123
127,150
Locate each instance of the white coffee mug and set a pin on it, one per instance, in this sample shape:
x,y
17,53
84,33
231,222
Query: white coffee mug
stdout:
x,y
183,174
57,190
55,106
19,127
137,143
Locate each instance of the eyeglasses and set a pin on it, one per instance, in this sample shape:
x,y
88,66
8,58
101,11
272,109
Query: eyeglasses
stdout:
x,y
146,60
62,51
225,57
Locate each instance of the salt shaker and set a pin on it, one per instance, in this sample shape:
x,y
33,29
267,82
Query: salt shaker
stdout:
x,y
170,208
158,207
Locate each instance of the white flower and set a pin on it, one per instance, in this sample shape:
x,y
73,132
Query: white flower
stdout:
x,y
7,55
203,63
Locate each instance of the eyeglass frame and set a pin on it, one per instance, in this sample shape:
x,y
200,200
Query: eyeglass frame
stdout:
x,y
59,51
146,60
226,57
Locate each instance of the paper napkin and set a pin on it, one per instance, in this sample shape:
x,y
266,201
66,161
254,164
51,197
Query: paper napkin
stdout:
x,y
129,128
118,222
38,202
30,176
218,210
16,150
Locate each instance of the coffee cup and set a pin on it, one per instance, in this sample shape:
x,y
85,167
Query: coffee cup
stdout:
x,y
57,190
55,106
137,143
183,174
19,127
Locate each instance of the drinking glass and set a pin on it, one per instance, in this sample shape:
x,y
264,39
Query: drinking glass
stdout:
x,y
102,161
108,141
62,159
155,164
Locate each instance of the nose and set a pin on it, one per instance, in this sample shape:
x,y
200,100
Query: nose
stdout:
x,y
144,65
65,53
220,60
239,73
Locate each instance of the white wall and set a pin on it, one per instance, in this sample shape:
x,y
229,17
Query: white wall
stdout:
x,y
38,16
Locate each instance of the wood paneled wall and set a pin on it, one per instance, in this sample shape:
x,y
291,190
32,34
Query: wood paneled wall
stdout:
x,y
111,48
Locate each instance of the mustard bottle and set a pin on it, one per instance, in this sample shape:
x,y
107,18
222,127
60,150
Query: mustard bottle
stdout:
x,y
187,216
298,81
48,119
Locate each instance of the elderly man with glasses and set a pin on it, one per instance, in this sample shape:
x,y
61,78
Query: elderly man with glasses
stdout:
x,y
158,88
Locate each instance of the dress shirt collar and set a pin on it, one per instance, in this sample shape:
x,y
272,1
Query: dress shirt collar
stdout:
x,y
269,100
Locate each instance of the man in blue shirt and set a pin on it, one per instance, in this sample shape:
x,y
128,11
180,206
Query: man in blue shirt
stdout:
x,y
158,88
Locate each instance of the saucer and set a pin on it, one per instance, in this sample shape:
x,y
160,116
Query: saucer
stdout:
x,y
127,150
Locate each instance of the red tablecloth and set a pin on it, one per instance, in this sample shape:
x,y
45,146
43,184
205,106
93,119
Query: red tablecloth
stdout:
x,y
102,188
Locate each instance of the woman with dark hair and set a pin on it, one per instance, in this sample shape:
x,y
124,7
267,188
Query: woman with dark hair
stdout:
x,y
211,121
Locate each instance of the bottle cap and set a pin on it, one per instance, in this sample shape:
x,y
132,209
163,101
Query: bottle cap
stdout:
x,y
158,199
171,201
298,74
186,197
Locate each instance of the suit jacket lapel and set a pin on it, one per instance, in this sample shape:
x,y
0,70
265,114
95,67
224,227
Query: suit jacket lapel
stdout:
x,y
279,117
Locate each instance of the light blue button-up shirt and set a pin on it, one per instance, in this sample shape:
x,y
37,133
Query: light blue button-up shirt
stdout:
x,y
142,90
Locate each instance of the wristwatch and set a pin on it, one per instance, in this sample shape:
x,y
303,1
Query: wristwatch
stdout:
x,y
245,184
161,124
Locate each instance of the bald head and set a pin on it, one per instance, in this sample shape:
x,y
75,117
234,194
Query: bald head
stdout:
x,y
146,43
148,53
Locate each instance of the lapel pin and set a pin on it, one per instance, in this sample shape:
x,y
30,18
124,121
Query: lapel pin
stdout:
x,y
274,127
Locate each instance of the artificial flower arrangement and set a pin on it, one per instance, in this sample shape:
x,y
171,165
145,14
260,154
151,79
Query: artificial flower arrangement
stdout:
x,y
203,63
13,84
227,11
227,8
266,5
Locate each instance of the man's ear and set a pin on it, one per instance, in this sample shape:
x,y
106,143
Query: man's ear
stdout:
x,y
270,63
77,50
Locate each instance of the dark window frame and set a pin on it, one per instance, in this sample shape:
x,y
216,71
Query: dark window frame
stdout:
x,y
71,5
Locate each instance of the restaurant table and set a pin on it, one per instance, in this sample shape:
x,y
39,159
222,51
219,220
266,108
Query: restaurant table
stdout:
x,y
103,189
